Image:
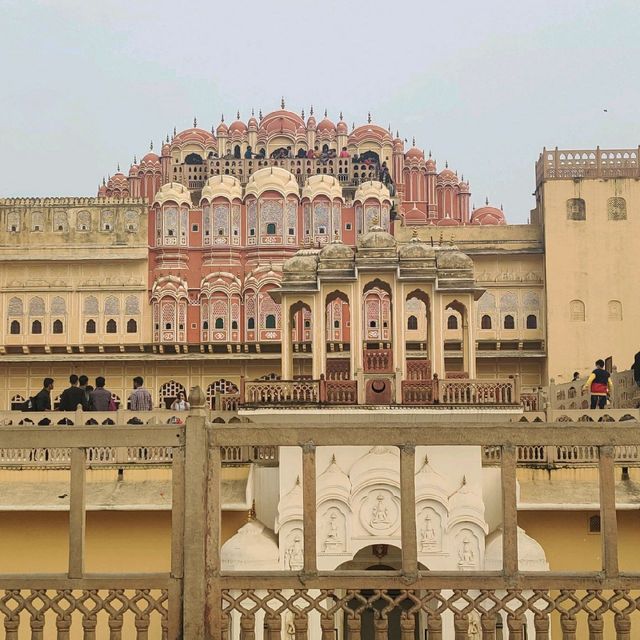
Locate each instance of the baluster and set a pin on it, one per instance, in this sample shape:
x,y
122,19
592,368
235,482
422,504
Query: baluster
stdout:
x,y
224,626
327,624
142,627
115,627
568,625
515,623
301,624
596,628
434,626
247,626
89,623
407,626
274,627
461,626
488,623
622,623
354,626
11,627
541,625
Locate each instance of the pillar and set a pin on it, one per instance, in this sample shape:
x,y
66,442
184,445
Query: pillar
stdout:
x,y
286,351
319,333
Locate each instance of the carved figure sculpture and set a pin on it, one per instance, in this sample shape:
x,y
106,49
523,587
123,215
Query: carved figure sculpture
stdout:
x,y
428,535
379,514
294,555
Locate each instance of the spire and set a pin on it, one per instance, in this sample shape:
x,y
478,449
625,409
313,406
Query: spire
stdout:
x,y
104,182
446,164
118,167
195,122
222,117
167,141
174,132
340,115
429,152
353,126
486,201
238,114
252,112
501,207
311,111
397,134
389,128
135,160
463,177
302,113
151,146
282,102
325,113
413,141
260,114
212,130
369,117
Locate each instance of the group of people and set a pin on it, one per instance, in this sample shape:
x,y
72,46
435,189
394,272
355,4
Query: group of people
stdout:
x,y
98,398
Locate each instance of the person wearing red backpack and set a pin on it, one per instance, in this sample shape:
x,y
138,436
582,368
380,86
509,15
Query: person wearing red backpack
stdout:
x,y
599,385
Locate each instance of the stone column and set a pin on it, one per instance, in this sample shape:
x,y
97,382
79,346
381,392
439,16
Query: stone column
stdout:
x,y
286,349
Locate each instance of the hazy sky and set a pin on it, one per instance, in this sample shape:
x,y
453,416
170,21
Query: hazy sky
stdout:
x,y
87,83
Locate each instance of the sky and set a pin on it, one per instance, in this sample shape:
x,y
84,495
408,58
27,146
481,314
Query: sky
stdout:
x,y
86,84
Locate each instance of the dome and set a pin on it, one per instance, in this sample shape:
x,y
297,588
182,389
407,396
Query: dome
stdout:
x,y
466,505
333,482
452,258
488,215
311,121
223,185
320,184
253,123
272,179
430,164
463,186
380,464
336,250
447,176
531,556
369,132
222,129
150,158
253,547
281,121
173,192
133,171
371,189
414,154
342,127
199,136
301,266
326,127
416,250
237,127
430,484
376,238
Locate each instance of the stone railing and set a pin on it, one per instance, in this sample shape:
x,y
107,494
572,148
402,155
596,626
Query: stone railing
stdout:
x,y
417,392
278,392
479,392
79,417
560,164
400,602
377,360
341,391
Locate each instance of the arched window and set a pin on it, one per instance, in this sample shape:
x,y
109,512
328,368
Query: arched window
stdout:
x,y
112,326
594,524
270,322
412,323
219,324
58,327
236,151
485,322
271,229
509,322
205,325
576,209
576,311
251,323
617,209
36,327
532,321
452,322
90,327
15,327
132,326
615,310
234,324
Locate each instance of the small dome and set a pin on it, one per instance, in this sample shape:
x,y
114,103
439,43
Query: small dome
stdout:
x,y
452,258
336,250
446,175
221,185
320,184
281,121
253,547
531,556
463,186
342,127
311,122
301,266
416,250
237,127
199,136
150,158
430,164
272,179
488,215
252,125
369,132
430,484
378,463
222,129
133,171
376,238
414,154
173,192
333,482
371,189
326,127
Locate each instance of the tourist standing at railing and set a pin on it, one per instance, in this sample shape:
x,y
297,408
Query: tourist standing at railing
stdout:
x,y
83,382
248,154
635,367
140,399
576,376
180,403
73,396
42,400
344,153
100,398
600,385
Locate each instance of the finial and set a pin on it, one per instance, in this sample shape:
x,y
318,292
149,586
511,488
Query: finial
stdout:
x,y
333,459
463,177
397,134
389,128
238,114
167,140
282,103
212,130
222,117
195,122
174,132
446,164
341,115
302,113
369,117
325,113
252,112
441,234
432,240
451,241
429,152
311,111
118,167
486,201
426,459
135,160
464,480
252,512
104,182
297,482
151,146
353,126
501,208
413,141
260,114
414,234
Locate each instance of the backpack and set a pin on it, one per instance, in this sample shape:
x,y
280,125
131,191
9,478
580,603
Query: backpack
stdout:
x,y
29,404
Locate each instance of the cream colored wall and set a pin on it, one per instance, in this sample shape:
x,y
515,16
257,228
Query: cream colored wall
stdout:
x,y
530,370
593,261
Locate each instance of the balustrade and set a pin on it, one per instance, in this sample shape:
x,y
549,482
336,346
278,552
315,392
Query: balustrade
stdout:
x,y
377,360
342,392
417,392
476,392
